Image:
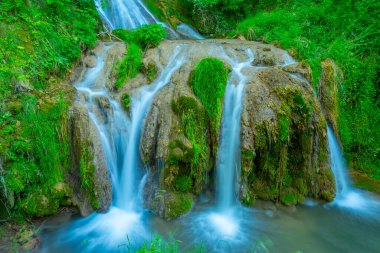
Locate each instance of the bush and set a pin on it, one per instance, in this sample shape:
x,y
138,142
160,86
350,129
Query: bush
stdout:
x,y
150,35
146,36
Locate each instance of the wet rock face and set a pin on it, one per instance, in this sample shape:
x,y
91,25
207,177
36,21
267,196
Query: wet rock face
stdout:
x,y
328,88
86,150
284,147
88,163
283,134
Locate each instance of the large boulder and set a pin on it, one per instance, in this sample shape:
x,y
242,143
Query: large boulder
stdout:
x,y
283,136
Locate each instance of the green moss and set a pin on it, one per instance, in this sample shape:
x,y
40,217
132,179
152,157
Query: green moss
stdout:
x,y
284,128
87,171
191,158
291,197
208,81
39,204
183,184
178,204
129,66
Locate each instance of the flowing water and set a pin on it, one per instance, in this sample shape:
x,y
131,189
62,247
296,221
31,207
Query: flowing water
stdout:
x,y
131,14
349,224
120,138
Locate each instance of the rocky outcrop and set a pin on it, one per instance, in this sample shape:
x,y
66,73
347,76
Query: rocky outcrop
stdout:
x,y
283,136
328,87
88,163
284,147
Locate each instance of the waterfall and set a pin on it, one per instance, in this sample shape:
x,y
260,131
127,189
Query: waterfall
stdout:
x,y
346,195
130,14
120,138
228,156
124,13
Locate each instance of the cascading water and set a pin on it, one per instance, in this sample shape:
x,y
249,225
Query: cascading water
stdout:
x,y
346,195
228,157
120,137
131,14
124,13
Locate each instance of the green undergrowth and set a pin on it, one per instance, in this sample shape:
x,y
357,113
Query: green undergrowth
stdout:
x,y
348,33
137,40
189,161
208,82
39,41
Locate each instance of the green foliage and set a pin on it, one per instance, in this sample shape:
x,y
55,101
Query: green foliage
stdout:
x,y
129,66
150,35
192,120
348,33
39,42
208,81
145,36
158,245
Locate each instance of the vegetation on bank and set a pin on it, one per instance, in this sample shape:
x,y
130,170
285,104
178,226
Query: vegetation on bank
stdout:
x,y
348,33
39,41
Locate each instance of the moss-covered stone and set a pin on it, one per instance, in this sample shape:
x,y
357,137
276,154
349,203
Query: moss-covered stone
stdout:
x,y
286,131
178,204
328,88
150,71
40,204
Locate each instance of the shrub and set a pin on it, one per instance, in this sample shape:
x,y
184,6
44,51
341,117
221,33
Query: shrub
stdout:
x,y
150,35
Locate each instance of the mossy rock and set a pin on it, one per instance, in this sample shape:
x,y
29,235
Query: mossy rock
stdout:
x,y
178,204
39,204
151,71
291,197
